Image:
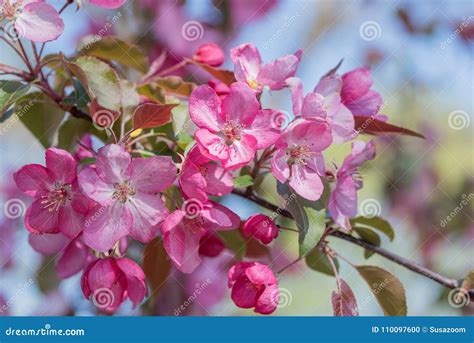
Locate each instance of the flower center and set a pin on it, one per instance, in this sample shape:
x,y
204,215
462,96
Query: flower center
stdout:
x,y
56,197
298,154
253,84
123,191
231,132
11,10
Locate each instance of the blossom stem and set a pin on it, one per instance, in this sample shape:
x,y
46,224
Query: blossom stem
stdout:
x,y
289,265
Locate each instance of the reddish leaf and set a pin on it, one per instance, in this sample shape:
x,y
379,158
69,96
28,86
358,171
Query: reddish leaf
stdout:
x,y
156,265
374,126
225,76
150,115
343,301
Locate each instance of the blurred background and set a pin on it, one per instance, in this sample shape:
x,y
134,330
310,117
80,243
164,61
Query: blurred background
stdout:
x,y
421,55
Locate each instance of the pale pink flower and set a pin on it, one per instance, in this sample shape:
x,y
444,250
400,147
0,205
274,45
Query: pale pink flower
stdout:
x,y
343,200
59,204
233,129
298,158
260,227
248,67
254,285
127,194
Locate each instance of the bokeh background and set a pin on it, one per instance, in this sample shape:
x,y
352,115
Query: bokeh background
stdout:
x,y
421,55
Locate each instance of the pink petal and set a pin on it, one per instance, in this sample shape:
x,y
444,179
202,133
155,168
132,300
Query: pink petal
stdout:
x,y
342,125
33,179
280,168
218,180
211,145
48,243
274,74
147,211
343,202
244,294
130,268
111,4
313,106
205,108
241,104
136,290
361,152
41,220
241,152
296,88
192,182
237,271
355,84
39,22
70,222
94,187
308,132
264,128
61,164
152,174
367,105
267,302
73,260
306,182
247,62
260,274
218,217
328,85
105,225
113,163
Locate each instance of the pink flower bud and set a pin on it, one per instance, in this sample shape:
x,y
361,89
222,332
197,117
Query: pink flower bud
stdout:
x,y
210,54
261,227
210,245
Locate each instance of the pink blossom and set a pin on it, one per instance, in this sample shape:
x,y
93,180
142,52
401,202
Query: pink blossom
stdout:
x,y
108,282
126,194
84,149
183,229
221,89
357,95
260,227
324,104
248,68
299,159
35,20
201,176
111,4
233,129
254,285
210,245
343,200
210,54
59,204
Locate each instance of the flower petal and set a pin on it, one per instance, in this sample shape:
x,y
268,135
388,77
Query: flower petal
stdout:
x,y
205,108
48,243
218,217
264,128
267,302
306,182
211,145
40,220
240,105
73,260
241,152
244,293
147,211
70,222
247,62
111,4
113,163
39,22
152,174
94,187
33,180
61,164
274,74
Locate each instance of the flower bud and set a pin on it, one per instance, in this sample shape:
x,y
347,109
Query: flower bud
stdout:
x,y
261,227
210,54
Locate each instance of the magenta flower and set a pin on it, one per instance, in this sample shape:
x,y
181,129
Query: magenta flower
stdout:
x,y
254,285
260,227
233,129
110,4
324,104
184,228
59,206
35,20
248,68
201,176
108,282
84,149
126,191
299,159
343,200
210,54
210,245
357,95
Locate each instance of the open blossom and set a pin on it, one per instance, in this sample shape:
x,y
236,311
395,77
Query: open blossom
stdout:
x,y
183,229
201,176
324,104
233,129
260,227
248,67
35,20
110,281
59,204
298,158
254,285
357,95
343,200
126,191
210,54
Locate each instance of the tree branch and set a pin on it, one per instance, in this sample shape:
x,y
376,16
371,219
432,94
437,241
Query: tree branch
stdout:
x,y
413,266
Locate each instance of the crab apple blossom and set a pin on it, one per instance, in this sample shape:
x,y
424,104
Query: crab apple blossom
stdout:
x,y
260,227
201,176
35,20
233,129
298,158
210,54
126,192
59,204
343,200
248,68
182,231
110,281
254,286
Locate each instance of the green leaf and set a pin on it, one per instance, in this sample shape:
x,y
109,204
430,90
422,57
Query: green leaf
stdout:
x,y
387,289
88,160
369,236
10,91
184,140
153,92
310,218
130,97
243,181
100,81
376,223
156,265
318,261
73,129
115,49
234,241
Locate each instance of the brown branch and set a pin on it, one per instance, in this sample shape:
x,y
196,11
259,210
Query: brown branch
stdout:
x,y
413,266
